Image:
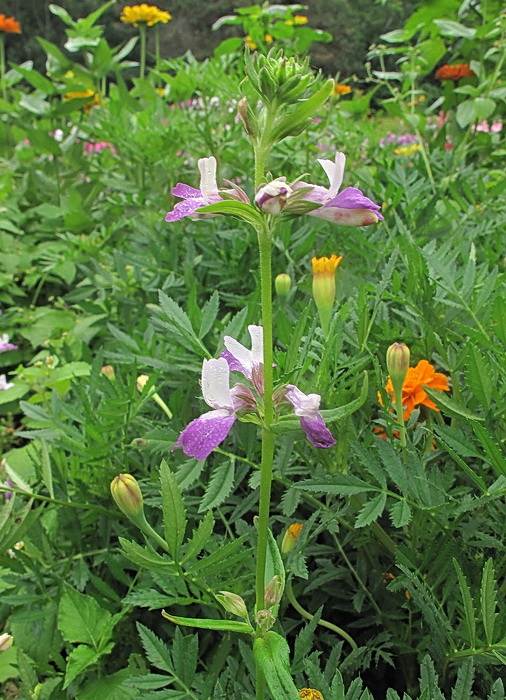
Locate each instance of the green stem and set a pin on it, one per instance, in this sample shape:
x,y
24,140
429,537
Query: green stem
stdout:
x,y
142,33
304,613
400,414
2,66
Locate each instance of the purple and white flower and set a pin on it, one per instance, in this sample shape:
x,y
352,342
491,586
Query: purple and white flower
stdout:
x,y
349,207
4,384
5,345
311,421
250,363
206,432
208,193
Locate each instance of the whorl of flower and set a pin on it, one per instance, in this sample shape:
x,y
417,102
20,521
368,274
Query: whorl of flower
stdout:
x,y
413,393
341,89
310,694
144,14
454,72
9,25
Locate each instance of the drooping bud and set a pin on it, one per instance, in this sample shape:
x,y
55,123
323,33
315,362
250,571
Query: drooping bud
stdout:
x,y
271,197
290,538
282,284
127,495
233,603
324,287
265,620
141,382
6,641
274,590
310,694
108,371
398,362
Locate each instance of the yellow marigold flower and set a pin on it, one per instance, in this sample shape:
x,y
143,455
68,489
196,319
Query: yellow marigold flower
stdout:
x,y
268,38
407,150
95,100
249,42
290,537
9,25
300,19
341,89
325,266
324,287
144,14
310,694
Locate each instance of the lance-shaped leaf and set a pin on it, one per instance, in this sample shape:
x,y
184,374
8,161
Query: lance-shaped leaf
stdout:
x,y
224,625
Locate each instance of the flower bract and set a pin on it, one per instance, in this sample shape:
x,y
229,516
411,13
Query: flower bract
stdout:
x,y
349,207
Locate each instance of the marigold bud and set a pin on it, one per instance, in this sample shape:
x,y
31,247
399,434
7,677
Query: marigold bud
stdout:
x,y
310,694
141,382
282,284
324,287
6,641
108,371
127,495
274,590
233,603
398,362
290,537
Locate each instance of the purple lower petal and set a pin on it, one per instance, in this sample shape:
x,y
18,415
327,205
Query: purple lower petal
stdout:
x,y
353,198
317,432
205,433
185,191
185,208
347,217
318,194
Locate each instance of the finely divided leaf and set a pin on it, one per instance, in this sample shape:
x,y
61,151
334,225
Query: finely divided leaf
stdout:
x,y
371,511
488,600
174,514
200,536
219,487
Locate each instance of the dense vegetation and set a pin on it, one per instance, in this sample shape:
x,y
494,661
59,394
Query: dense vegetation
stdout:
x,y
376,566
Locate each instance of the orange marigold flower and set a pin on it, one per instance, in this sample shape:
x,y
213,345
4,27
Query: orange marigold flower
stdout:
x,y
454,72
341,89
310,694
413,393
9,25
144,14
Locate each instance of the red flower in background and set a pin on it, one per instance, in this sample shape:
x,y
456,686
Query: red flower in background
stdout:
x,y
455,72
9,25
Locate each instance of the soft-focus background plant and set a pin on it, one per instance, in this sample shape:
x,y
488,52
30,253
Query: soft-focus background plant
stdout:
x,y
408,558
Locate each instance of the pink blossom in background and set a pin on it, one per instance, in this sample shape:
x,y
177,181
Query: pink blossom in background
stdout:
x,y
5,345
90,147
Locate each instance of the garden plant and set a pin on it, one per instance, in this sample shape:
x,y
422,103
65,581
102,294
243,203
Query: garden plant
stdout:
x,y
253,365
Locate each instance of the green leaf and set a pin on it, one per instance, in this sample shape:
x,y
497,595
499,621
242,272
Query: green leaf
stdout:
x,y
349,408
305,109
174,514
78,660
219,487
147,559
449,406
397,36
240,210
37,80
158,652
200,537
274,564
449,28
466,113
400,514
371,510
441,433
484,107
209,313
488,600
81,619
429,681
465,677
492,450
216,561
467,601
180,324
337,484
62,14
272,656
113,686
225,625
479,377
